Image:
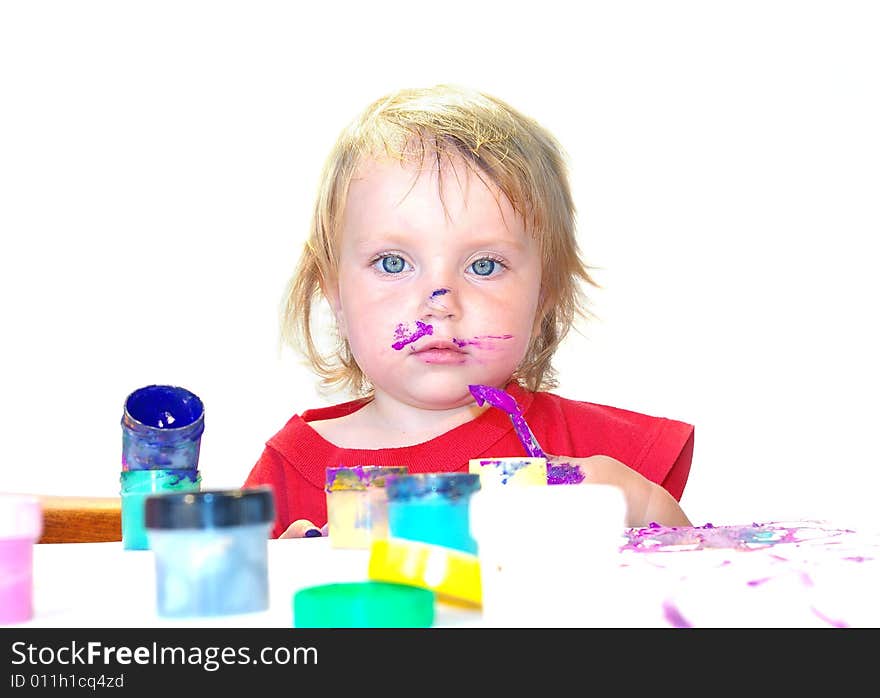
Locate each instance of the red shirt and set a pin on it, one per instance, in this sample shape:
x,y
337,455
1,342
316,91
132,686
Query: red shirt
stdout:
x,y
294,460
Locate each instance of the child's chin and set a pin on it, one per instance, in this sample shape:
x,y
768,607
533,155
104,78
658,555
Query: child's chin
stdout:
x,y
440,394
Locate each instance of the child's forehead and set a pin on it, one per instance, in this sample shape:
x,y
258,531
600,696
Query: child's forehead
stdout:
x,y
382,210
452,181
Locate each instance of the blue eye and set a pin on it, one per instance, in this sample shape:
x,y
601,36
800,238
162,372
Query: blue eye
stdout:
x,y
484,267
391,264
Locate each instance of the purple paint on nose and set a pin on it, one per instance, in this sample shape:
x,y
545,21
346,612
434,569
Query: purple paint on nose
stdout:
x,y
440,292
403,339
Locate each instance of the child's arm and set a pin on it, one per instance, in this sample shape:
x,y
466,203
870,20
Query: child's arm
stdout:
x,y
646,501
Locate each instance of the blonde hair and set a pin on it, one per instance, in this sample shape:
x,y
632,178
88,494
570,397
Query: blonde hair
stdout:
x,y
497,142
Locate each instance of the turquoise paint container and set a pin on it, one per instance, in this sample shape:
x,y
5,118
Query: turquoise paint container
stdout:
x,y
136,486
211,550
432,508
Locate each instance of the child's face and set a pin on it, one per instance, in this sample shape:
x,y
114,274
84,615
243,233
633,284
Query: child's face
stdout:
x,y
434,295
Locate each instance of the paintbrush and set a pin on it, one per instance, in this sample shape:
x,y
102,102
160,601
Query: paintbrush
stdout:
x,y
504,401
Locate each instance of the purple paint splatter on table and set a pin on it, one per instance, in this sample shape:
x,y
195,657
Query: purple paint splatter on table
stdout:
x,y
657,538
674,616
776,574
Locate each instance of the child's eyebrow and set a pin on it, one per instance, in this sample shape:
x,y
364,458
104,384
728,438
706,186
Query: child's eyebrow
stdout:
x,y
371,240
406,243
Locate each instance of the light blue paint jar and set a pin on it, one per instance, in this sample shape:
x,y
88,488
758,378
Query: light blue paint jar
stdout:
x,y
432,508
211,550
136,486
162,428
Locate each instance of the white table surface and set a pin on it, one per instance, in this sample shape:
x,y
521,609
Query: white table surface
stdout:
x,y
104,585
794,574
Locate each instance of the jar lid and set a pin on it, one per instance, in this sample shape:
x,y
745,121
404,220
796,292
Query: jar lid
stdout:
x,y
363,605
210,508
21,516
448,485
453,575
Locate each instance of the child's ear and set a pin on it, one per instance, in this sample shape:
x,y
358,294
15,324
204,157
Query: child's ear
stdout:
x,y
540,314
330,289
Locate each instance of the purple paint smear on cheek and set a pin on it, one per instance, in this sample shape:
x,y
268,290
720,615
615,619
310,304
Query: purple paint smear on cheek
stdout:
x,y
401,334
480,341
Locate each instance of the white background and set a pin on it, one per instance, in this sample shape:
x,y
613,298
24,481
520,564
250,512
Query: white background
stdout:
x,y
158,161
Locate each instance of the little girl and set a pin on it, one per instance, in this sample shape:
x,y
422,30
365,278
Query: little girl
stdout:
x,y
443,241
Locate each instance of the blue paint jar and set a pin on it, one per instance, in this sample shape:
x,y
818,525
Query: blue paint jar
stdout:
x,y
162,427
136,486
211,550
432,508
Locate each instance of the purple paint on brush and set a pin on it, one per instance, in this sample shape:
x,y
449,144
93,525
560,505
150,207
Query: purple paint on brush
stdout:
x,y
504,401
401,334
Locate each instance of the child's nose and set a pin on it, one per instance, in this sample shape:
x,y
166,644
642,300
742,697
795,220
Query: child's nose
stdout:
x,y
440,303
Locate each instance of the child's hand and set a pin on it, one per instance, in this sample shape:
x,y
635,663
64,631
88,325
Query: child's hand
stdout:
x,y
646,501
303,528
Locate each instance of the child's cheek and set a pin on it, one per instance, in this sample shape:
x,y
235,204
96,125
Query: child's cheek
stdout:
x,y
486,342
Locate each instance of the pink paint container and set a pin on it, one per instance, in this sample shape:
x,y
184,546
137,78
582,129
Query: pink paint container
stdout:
x,y
21,524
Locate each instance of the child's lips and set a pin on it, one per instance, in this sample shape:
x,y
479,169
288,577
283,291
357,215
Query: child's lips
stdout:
x,y
439,352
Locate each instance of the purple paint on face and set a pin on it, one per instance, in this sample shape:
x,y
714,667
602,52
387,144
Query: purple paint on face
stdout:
x,y
403,338
440,292
481,341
